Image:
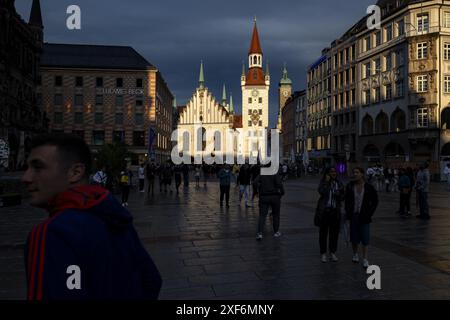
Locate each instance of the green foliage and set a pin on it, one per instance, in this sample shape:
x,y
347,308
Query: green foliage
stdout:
x,y
113,158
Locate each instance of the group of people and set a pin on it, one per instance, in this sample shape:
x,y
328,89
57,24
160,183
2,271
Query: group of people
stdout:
x,y
360,200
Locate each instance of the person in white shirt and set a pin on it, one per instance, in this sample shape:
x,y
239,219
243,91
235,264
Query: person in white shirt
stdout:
x,y
141,175
100,177
447,174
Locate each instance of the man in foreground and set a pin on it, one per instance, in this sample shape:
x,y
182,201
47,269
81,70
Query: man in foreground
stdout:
x,y
88,247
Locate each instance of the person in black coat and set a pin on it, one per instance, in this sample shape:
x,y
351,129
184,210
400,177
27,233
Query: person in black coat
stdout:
x,y
270,190
361,201
328,213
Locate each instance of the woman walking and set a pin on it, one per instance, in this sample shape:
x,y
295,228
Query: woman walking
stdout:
x,y
361,201
328,213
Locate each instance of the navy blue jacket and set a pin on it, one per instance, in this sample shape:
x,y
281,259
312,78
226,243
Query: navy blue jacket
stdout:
x,y
88,228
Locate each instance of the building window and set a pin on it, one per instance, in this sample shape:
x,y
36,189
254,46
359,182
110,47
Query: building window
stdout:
x,y
422,50
260,100
388,62
78,81
423,22
368,43
119,118
98,118
377,66
78,117
422,83
249,100
58,118
79,133
447,84
139,119
399,88
118,136
388,92
422,118
260,112
260,123
249,123
58,99
447,19
366,97
389,34
401,27
353,97
138,138
446,51
99,82
119,101
99,100
139,83
98,137
78,99
119,82
377,92
367,70
139,101
399,58
58,81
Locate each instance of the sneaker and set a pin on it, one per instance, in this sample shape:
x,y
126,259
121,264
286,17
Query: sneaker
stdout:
x,y
365,263
355,258
277,234
259,236
324,258
123,204
334,258
126,204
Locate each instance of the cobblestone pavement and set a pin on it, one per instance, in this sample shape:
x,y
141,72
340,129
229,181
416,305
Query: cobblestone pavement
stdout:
x,y
205,252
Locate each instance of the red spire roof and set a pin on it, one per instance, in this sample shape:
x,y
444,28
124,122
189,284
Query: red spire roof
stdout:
x,y
255,47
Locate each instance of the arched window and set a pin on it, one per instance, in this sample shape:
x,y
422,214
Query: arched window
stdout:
x,y
398,120
201,137
217,141
445,119
255,60
394,150
186,137
382,123
367,125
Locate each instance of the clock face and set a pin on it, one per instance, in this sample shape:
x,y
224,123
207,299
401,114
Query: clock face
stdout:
x,y
255,93
285,94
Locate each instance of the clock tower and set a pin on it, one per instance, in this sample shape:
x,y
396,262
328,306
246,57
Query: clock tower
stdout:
x,y
255,85
284,92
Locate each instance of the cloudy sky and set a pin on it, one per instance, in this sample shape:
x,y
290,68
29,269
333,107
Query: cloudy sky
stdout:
x,y
175,35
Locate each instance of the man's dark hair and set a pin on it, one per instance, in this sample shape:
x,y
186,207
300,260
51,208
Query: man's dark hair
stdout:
x,y
71,148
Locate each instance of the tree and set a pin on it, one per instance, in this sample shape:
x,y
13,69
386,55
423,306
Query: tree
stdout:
x,y
113,158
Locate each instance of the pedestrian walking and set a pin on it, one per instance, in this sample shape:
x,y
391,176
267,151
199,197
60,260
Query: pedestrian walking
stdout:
x,y
125,186
224,176
141,176
87,230
447,175
244,184
423,188
167,173
412,180
100,177
197,177
185,170
404,185
361,201
150,173
255,171
270,190
328,214
177,174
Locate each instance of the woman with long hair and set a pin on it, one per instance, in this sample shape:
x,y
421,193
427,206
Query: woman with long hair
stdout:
x,y
361,201
328,213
